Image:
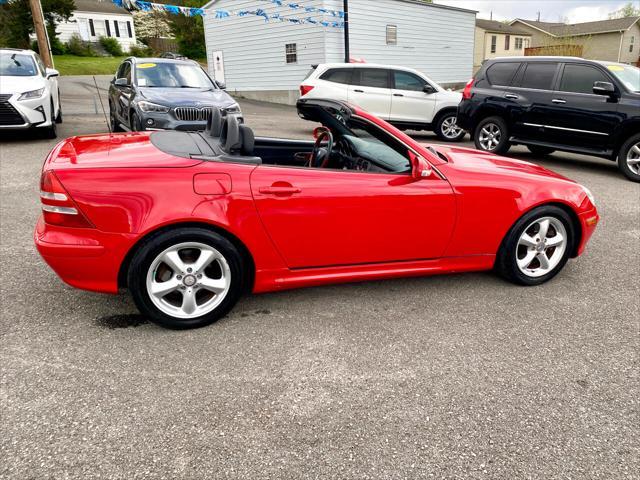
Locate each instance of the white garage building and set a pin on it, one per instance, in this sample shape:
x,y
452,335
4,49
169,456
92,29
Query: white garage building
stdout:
x,y
268,60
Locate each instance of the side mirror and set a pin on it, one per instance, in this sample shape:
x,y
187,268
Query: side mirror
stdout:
x,y
51,72
221,85
121,82
420,167
428,89
604,88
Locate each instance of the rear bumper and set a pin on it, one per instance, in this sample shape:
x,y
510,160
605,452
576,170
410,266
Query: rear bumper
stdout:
x,y
83,258
588,221
464,118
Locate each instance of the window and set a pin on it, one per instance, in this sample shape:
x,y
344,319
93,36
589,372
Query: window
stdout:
x,y
129,29
371,77
291,52
338,75
580,78
502,73
408,81
507,42
115,24
518,43
92,29
539,76
392,34
124,71
494,42
106,24
633,39
41,66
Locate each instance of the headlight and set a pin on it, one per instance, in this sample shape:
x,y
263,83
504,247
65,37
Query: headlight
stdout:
x,y
233,108
589,194
32,94
152,107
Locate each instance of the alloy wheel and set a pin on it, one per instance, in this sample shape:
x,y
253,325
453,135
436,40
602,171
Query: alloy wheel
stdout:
x,y
490,136
633,158
450,128
188,280
541,247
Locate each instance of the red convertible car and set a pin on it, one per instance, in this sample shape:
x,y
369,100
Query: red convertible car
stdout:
x,y
187,221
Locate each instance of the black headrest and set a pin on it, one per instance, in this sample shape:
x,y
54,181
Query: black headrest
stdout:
x,y
248,140
230,135
214,123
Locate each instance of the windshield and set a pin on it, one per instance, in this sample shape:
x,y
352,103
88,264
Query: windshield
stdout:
x,y
627,74
17,65
172,75
375,145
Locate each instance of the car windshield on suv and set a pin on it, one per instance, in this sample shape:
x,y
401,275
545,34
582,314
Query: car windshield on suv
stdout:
x,y
172,75
627,74
17,65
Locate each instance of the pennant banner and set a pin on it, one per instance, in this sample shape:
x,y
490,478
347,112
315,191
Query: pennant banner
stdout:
x,y
143,6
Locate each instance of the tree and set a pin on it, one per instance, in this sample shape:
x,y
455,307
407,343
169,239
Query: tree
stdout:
x,y
152,24
16,22
189,31
629,10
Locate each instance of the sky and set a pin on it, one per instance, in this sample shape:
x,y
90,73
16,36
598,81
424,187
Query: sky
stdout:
x,y
573,11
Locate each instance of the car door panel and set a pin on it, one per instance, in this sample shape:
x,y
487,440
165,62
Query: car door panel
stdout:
x,y
319,217
370,90
409,101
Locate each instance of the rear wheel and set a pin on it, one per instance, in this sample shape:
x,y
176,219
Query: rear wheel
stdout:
x,y
186,278
447,129
492,135
538,150
629,158
537,247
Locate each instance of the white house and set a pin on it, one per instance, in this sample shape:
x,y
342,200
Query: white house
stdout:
x,y
268,60
93,19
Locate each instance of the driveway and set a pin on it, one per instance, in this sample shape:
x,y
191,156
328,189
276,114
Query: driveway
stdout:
x,y
459,376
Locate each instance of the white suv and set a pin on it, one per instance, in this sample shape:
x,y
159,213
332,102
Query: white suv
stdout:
x,y
29,94
403,96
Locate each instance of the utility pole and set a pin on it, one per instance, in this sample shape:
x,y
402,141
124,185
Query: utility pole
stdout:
x,y
347,54
41,32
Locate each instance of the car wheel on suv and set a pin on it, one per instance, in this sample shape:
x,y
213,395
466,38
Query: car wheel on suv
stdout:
x,y
447,129
492,135
629,158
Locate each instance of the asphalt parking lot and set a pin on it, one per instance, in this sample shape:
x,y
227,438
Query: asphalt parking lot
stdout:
x,y
461,376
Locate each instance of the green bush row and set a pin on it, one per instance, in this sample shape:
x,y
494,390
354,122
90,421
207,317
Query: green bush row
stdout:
x,y
81,48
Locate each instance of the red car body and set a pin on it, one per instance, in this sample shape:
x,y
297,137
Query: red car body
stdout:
x,y
300,226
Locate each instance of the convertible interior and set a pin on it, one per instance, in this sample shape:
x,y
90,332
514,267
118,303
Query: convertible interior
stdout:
x,y
342,142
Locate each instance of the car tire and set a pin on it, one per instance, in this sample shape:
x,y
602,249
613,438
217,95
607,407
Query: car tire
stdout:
x,y
193,297
629,158
521,258
136,123
492,135
446,128
59,116
541,151
113,123
51,131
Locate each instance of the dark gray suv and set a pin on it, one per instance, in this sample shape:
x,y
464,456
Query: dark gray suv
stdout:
x,y
165,94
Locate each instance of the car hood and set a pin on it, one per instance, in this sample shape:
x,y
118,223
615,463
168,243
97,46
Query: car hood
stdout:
x,y
187,97
10,84
468,160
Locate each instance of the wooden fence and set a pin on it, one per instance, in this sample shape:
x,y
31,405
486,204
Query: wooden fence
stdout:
x,y
160,45
555,50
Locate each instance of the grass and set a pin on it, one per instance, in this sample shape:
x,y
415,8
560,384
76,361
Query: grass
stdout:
x,y
72,65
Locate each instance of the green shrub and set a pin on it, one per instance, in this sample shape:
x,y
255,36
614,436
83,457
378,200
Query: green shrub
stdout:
x,y
57,47
77,46
140,51
112,46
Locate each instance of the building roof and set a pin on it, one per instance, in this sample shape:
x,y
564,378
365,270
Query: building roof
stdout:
x,y
99,6
494,26
587,28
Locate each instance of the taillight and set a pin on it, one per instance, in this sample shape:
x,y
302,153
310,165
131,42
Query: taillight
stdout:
x,y
466,93
304,89
58,207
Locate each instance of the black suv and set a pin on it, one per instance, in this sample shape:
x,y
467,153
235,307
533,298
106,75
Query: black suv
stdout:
x,y
556,103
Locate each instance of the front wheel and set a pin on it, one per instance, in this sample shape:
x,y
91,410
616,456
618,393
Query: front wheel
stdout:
x,y
186,278
447,128
537,247
136,124
51,131
629,159
492,135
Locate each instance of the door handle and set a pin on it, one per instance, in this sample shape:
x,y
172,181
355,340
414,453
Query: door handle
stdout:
x,y
359,91
279,190
398,95
511,96
559,101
